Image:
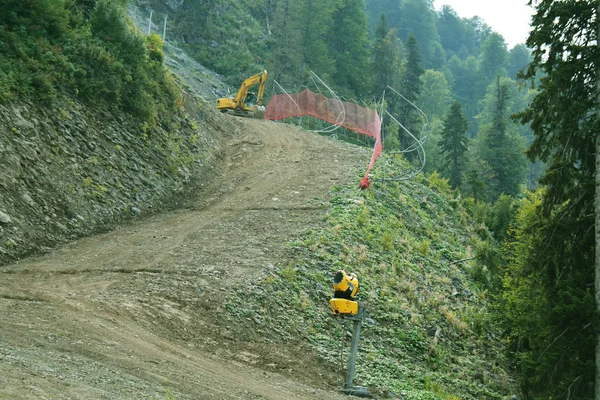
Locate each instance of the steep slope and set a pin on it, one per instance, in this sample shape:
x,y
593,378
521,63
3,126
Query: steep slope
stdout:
x,y
429,334
227,298
141,310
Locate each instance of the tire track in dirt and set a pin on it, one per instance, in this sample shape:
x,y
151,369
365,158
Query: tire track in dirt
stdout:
x,y
138,312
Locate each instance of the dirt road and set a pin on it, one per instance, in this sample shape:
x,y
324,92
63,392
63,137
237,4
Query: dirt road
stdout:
x,y
138,313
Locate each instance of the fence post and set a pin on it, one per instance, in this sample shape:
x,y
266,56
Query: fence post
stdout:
x,y
150,22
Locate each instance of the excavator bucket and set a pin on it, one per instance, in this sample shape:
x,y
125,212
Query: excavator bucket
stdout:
x,y
259,112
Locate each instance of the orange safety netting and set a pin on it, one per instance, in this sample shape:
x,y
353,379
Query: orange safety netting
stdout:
x,y
349,115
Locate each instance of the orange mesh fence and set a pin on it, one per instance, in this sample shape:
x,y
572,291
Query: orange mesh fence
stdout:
x,y
349,115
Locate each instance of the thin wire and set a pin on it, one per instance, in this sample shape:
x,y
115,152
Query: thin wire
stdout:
x,y
342,113
423,159
291,98
418,109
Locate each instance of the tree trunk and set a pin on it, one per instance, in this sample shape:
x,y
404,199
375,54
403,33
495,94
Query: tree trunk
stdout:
x,y
597,266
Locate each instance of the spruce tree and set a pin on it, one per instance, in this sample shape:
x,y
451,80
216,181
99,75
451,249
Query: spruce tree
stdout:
x,y
454,144
410,88
385,58
350,47
502,149
562,233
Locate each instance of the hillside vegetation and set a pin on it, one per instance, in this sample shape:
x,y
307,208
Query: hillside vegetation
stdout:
x,y
429,333
467,275
93,128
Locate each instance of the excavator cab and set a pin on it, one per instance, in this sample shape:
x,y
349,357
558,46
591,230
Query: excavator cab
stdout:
x,y
250,99
243,103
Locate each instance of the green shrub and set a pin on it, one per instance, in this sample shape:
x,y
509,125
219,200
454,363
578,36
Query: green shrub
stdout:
x,y
88,48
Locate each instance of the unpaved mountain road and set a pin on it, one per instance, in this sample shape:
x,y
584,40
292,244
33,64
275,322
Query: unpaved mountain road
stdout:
x,y
137,313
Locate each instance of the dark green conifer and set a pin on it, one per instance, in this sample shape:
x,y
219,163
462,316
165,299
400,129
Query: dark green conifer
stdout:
x,y
454,144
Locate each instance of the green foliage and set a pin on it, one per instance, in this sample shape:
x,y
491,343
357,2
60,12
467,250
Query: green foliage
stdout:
x,y
488,262
519,58
502,150
350,47
435,96
454,144
493,57
438,182
467,86
31,37
553,244
399,238
452,30
385,58
418,20
53,47
410,88
548,303
503,215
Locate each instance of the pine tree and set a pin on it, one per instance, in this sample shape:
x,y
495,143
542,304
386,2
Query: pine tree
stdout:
x,y
410,88
350,47
385,57
560,256
502,149
454,144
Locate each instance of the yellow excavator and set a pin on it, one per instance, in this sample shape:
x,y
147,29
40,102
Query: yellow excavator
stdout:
x,y
245,103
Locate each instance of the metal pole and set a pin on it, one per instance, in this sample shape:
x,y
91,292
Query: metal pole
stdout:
x,y
150,22
353,351
165,29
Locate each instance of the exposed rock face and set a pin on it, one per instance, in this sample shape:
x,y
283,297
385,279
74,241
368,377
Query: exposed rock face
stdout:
x,y
70,171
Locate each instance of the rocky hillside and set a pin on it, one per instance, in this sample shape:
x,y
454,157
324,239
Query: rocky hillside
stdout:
x,y
240,279
94,129
70,170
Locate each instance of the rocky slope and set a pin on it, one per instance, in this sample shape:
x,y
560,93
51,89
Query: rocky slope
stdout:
x,y
70,170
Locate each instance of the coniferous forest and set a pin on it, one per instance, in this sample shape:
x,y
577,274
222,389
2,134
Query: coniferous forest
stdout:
x,y
514,131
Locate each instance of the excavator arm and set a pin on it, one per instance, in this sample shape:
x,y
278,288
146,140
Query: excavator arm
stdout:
x,y
238,105
240,98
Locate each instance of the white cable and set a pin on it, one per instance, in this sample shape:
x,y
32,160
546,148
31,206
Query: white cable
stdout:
x,y
291,98
341,115
426,124
423,159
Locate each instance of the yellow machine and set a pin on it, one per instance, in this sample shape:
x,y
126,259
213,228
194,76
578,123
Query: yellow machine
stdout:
x,y
345,288
343,304
245,103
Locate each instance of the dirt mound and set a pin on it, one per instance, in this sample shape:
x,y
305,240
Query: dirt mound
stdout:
x,y
139,312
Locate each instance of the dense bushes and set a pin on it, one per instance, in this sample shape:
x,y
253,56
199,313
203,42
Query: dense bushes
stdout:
x,y
82,47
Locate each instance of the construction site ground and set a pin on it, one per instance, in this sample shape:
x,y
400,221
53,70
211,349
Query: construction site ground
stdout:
x,y
138,313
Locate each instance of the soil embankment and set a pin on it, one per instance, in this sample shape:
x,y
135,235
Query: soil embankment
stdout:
x,y
138,312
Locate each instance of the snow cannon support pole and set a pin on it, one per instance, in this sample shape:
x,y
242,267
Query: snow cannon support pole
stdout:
x,y
358,391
